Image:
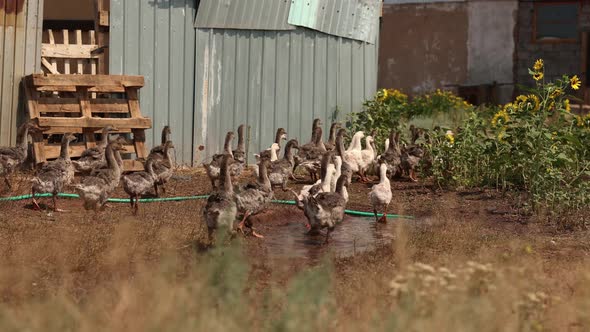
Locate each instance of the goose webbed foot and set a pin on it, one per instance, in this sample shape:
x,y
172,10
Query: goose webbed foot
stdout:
x,y
55,208
243,223
327,240
36,205
413,176
257,235
383,219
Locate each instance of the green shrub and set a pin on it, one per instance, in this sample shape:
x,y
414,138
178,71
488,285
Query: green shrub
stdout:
x,y
533,144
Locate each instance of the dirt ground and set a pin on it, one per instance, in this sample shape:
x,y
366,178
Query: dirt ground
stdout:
x,y
76,252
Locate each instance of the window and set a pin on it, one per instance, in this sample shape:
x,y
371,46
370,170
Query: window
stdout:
x,y
556,22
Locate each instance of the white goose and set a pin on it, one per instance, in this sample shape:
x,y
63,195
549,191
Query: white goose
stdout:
x,y
354,155
380,195
328,169
367,158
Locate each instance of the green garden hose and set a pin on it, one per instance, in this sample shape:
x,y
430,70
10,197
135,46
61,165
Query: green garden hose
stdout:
x,y
188,198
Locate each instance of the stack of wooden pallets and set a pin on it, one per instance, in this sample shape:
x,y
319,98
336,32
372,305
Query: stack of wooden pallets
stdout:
x,y
65,103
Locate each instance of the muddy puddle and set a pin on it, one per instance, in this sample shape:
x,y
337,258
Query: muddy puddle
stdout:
x,y
354,235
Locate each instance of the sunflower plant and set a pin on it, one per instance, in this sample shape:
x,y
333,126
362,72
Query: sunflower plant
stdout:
x,y
532,144
391,109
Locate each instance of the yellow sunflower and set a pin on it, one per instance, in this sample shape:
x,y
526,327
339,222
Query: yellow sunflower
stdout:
x,y
521,99
450,137
538,66
501,136
566,105
501,115
556,93
535,100
575,82
538,76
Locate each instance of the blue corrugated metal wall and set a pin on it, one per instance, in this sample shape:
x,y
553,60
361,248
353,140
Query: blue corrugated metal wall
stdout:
x,y
157,39
271,79
20,55
204,82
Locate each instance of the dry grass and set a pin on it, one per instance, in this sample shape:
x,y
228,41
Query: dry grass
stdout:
x,y
119,273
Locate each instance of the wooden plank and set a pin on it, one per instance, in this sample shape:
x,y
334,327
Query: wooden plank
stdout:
x,y
103,20
80,69
39,147
32,97
139,142
52,41
102,38
76,149
85,106
72,105
68,51
88,80
78,130
133,100
132,165
52,67
139,123
93,62
72,88
66,35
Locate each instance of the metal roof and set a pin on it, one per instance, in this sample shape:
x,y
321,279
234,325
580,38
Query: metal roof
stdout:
x,y
244,14
354,19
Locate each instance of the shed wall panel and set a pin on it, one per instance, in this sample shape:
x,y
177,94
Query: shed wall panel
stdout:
x,y
291,77
244,14
156,39
20,44
355,19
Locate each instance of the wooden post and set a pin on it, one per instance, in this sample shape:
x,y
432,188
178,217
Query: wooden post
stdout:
x,y
66,35
38,141
86,113
101,26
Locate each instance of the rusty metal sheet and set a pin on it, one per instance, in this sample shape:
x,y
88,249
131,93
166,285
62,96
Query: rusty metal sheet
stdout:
x,y
244,14
353,19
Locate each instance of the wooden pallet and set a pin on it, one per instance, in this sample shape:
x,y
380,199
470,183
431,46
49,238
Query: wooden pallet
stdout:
x,y
64,104
59,56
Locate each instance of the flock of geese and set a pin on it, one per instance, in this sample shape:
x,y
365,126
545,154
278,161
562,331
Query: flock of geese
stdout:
x,y
329,164
101,168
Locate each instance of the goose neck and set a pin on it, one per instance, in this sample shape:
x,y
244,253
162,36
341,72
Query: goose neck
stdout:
x,y
263,175
241,140
110,157
149,166
225,179
165,135
64,152
21,137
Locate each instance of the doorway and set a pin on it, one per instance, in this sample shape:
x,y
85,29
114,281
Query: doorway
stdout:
x,y
75,37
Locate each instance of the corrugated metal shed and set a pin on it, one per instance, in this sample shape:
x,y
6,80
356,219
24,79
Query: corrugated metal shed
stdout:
x,y
157,39
20,45
271,79
244,14
354,19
